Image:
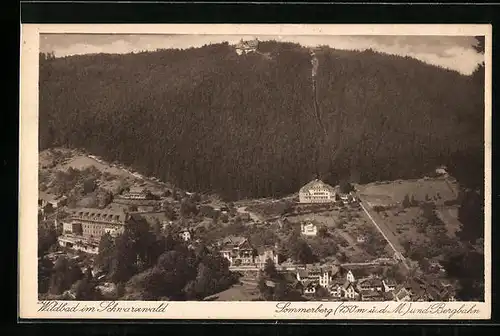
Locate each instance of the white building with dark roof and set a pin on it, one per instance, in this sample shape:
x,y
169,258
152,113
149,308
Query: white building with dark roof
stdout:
x,y
317,191
96,222
185,234
244,47
235,248
308,229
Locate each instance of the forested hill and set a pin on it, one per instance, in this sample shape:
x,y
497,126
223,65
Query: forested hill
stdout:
x,y
207,119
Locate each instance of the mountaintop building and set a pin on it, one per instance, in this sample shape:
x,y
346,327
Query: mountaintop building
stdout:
x,y
244,47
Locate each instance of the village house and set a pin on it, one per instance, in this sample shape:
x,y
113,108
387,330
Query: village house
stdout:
x,y
442,171
264,254
245,47
355,286
371,284
310,287
389,285
308,229
46,199
136,193
401,293
361,239
350,291
336,289
346,198
317,191
237,250
314,275
185,234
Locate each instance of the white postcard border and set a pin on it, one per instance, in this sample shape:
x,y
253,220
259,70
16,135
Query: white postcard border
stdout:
x,y
28,304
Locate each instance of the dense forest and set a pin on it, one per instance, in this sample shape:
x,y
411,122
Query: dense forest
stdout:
x,y
209,120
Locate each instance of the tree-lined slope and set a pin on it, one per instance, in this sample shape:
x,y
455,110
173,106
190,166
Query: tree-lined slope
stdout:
x,y
207,119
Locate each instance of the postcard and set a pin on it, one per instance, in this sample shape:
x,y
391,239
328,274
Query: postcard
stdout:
x,y
269,171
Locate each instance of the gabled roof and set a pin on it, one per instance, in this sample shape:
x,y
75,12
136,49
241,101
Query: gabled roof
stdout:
x,y
250,44
317,184
348,284
137,190
234,241
100,214
371,282
401,293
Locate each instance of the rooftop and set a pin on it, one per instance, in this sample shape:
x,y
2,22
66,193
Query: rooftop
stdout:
x,y
233,241
316,184
248,44
99,214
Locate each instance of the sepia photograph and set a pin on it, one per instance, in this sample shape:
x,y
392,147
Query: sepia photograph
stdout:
x,y
286,167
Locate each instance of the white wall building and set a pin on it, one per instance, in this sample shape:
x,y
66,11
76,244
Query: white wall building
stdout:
x,y
245,47
317,191
308,229
185,234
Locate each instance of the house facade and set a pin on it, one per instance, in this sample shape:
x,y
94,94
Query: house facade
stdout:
x,y
85,227
45,199
344,284
264,255
135,194
185,234
237,250
79,243
317,191
308,229
321,276
94,223
245,47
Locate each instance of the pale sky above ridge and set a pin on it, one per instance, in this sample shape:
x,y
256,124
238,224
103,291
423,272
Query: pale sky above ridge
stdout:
x,y
449,52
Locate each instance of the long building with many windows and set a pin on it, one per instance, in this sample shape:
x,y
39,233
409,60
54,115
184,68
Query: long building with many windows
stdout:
x,y
317,191
94,223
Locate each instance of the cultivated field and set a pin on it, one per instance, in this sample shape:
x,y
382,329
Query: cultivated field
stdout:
x,y
437,190
349,227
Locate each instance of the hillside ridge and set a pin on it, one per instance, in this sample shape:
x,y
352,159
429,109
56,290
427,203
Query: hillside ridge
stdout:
x,y
208,119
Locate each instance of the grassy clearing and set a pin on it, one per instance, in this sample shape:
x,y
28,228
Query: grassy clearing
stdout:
x,y
437,190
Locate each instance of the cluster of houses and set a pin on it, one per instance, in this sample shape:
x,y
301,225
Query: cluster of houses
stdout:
x,y
46,200
83,229
239,252
343,284
340,283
